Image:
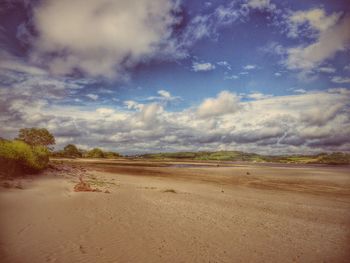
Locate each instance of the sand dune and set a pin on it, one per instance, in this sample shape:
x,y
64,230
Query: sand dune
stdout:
x,y
210,214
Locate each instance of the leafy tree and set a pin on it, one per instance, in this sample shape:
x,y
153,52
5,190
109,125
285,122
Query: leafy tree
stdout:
x,y
111,155
82,152
95,153
71,150
36,137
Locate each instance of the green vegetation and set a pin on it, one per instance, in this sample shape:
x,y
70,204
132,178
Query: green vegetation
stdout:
x,y
98,153
111,155
28,153
36,137
95,153
334,158
71,151
17,157
206,156
234,156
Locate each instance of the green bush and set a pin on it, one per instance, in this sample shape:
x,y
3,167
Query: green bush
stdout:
x,y
17,157
95,153
111,155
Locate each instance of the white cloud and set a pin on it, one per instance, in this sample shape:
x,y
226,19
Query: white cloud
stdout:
x,y
347,67
9,62
224,64
342,91
231,77
226,15
199,27
327,69
340,80
149,113
330,42
226,102
105,111
130,104
111,114
202,66
207,25
249,67
273,48
299,91
87,35
260,4
315,19
243,73
164,98
164,93
258,96
92,96
277,74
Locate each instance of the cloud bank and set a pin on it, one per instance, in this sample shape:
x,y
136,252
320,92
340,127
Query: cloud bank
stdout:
x,y
258,123
100,37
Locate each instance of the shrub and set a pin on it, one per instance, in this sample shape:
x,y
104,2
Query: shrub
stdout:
x,y
111,155
41,158
95,153
17,157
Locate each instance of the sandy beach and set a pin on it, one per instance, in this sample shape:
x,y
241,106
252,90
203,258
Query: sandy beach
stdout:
x,y
178,212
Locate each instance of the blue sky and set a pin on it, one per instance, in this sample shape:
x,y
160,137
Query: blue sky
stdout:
x,y
162,75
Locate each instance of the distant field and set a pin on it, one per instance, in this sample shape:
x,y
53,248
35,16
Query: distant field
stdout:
x,y
324,158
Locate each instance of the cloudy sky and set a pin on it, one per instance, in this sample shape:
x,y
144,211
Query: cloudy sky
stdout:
x,y
138,76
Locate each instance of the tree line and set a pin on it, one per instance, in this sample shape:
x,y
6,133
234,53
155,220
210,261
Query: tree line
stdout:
x,y
72,151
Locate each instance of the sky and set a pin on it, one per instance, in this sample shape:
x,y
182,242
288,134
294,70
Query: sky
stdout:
x,y
137,76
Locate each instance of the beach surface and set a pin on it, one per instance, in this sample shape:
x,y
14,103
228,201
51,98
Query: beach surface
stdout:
x,y
163,211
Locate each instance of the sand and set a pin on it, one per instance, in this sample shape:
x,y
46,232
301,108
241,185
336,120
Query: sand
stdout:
x,y
160,213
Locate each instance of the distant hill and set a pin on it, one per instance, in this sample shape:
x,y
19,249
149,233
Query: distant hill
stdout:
x,y
235,156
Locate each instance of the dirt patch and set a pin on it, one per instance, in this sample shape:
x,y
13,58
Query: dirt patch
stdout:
x,y
170,191
277,178
84,187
